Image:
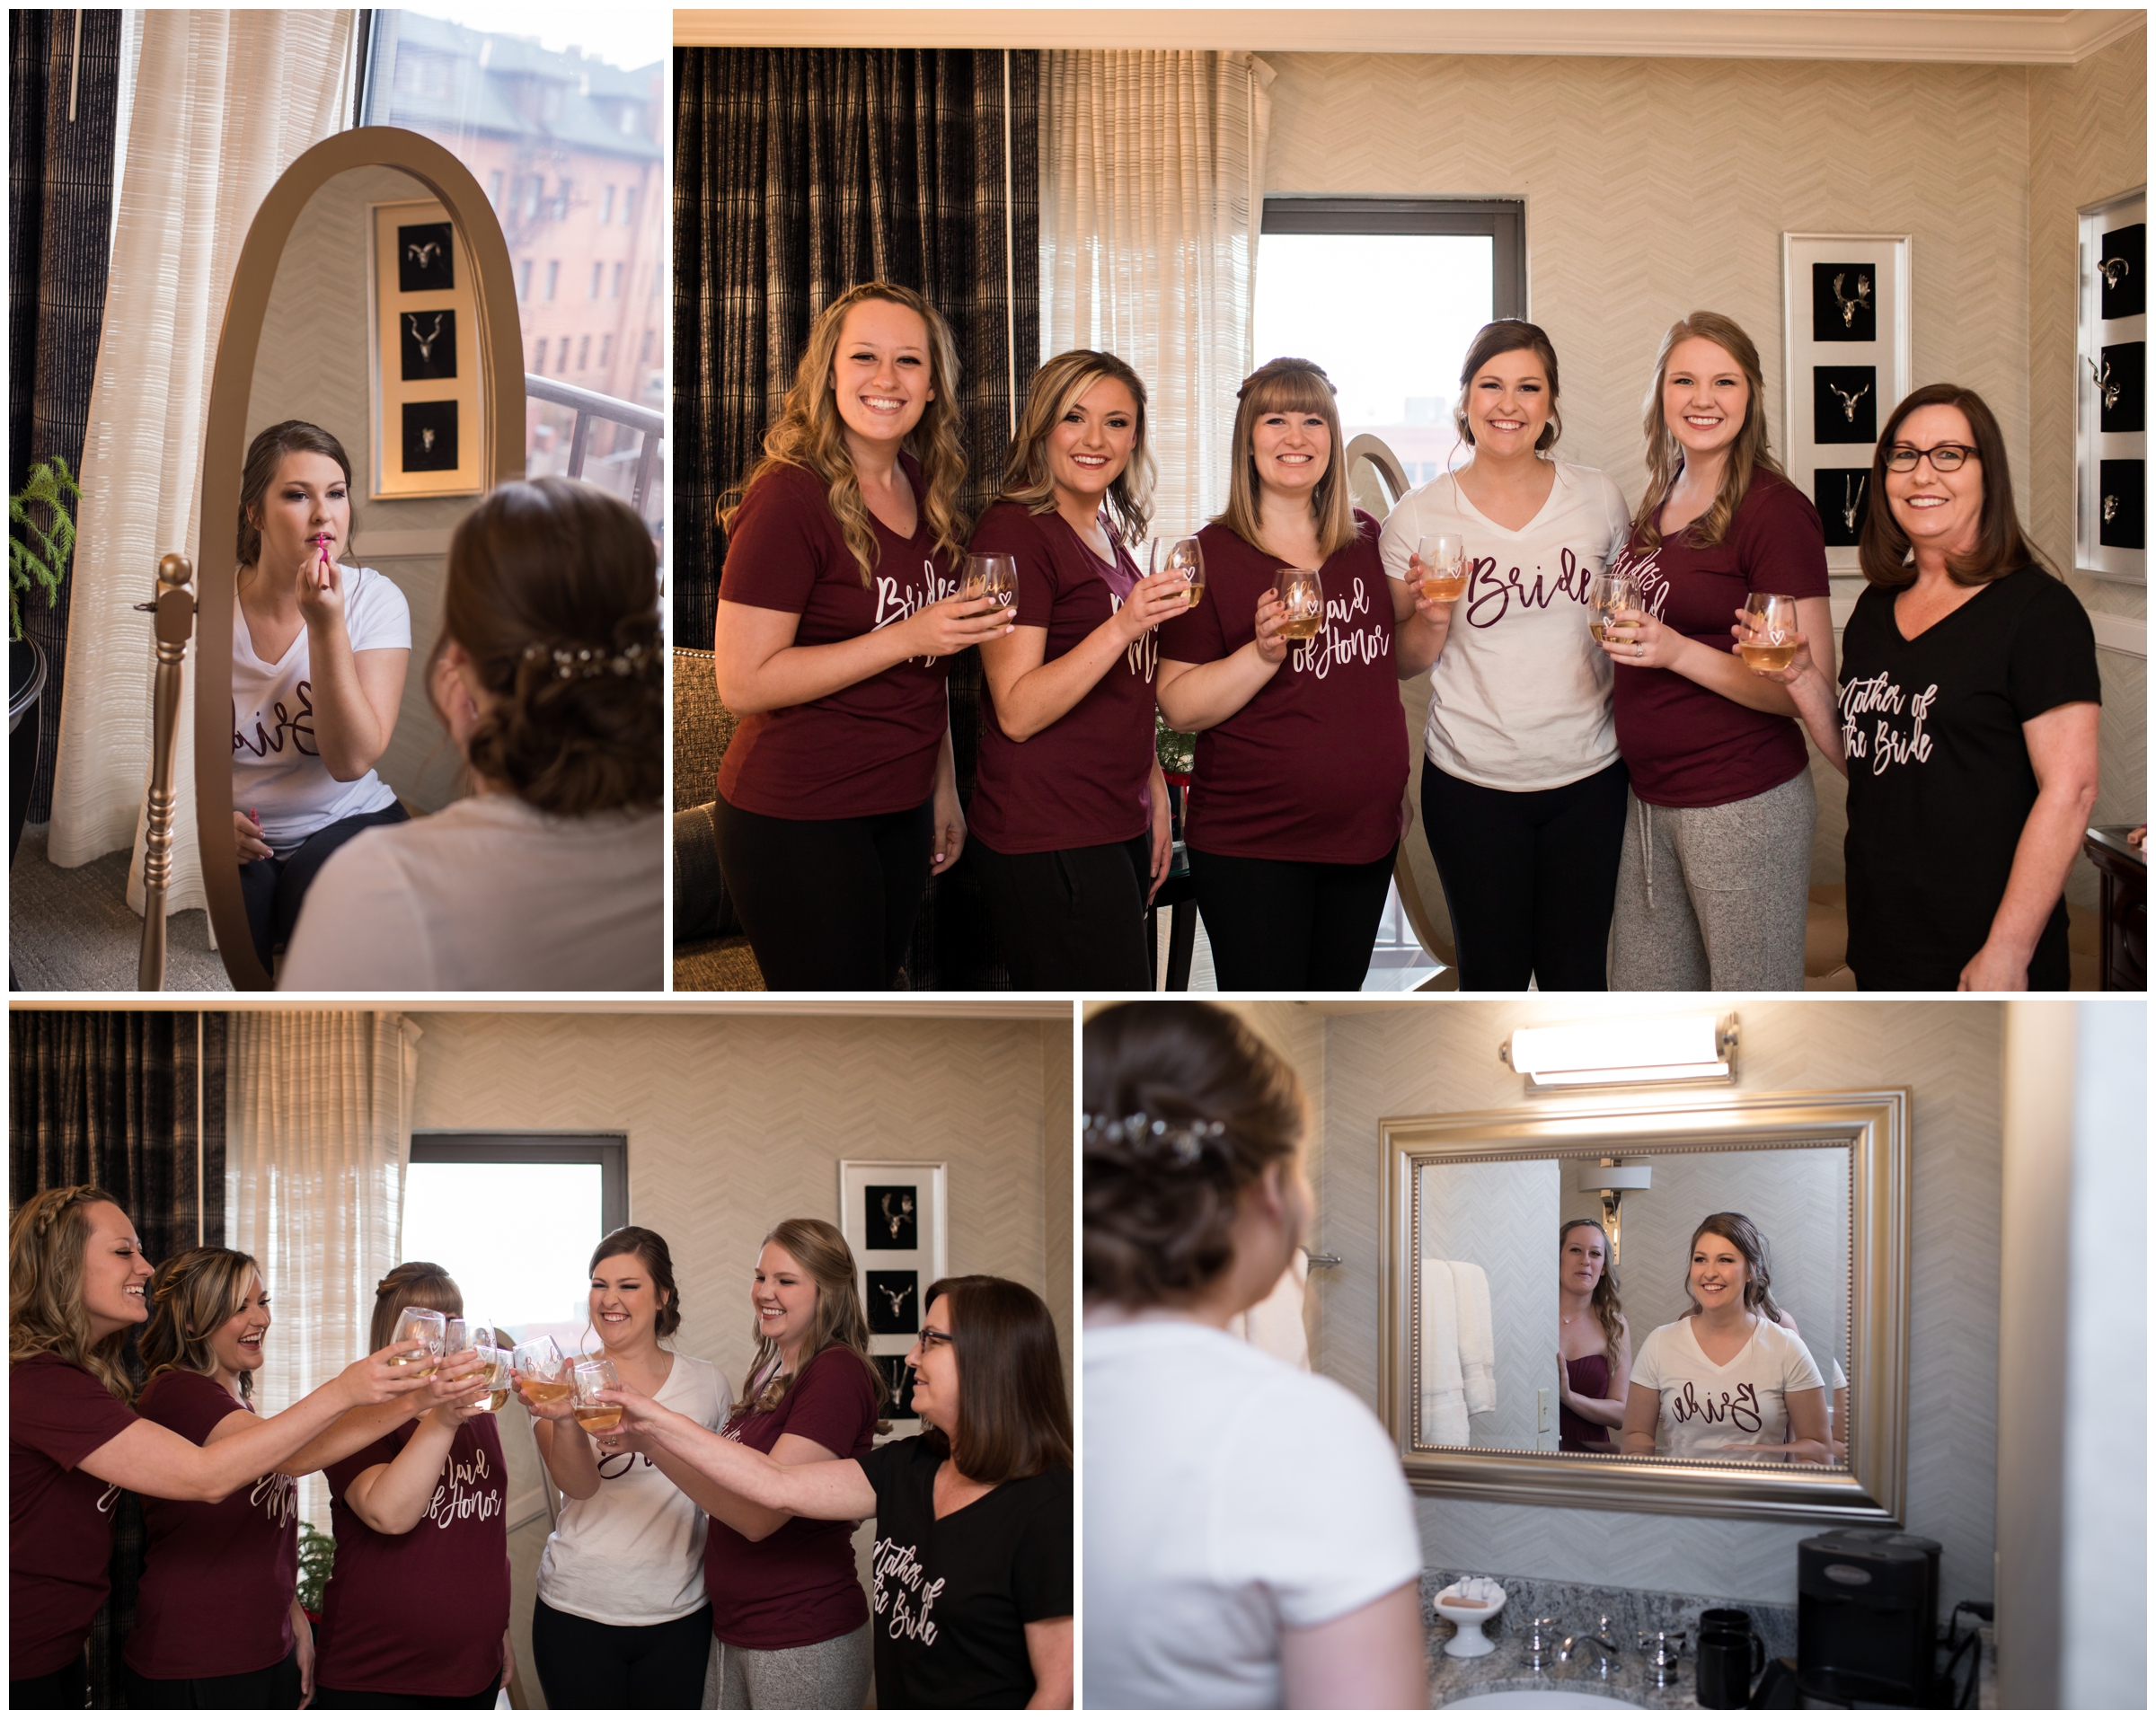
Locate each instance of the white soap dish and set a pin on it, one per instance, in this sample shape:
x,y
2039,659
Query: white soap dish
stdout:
x,y
1467,1604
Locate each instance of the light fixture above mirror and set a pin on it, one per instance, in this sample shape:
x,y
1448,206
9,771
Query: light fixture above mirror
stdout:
x,y
1666,1050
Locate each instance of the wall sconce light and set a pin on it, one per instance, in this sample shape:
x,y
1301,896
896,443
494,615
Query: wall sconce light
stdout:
x,y
1611,1180
1671,1050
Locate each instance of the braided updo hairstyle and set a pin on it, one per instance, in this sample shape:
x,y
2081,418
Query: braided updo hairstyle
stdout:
x,y
553,593
1160,1202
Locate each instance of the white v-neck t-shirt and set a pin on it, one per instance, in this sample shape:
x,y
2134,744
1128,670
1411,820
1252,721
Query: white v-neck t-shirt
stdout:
x,y
1704,1406
1520,695
276,769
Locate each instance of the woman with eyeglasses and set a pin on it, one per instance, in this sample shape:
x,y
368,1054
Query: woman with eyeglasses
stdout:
x,y
1965,718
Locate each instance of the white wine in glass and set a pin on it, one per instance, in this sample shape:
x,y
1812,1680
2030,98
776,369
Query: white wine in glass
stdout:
x,y
422,1324
1769,639
990,576
1301,593
1607,592
589,1379
1444,557
1185,557
542,1368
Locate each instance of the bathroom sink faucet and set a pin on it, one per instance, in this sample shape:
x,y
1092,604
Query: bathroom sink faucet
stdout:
x,y
1605,1646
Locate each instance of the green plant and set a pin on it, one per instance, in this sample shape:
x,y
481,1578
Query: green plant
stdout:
x,y
43,558
1177,753
317,1552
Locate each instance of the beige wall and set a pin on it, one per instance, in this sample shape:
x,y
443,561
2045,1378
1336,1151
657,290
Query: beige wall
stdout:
x,y
1656,187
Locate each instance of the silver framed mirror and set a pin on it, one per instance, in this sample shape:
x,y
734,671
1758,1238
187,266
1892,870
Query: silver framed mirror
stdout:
x,y
1488,1189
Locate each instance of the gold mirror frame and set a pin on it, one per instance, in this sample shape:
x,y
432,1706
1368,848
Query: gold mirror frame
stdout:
x,y
500,336
1872,1125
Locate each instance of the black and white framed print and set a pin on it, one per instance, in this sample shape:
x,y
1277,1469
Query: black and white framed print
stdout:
x,y
1846,340
424,372
2111,416
893,1217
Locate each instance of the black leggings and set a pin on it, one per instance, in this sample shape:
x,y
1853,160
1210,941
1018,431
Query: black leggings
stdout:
x,y
828,904
274,1686
1530,879
1073,919
1289,924
274,888
602,1666
65,1688
381,1699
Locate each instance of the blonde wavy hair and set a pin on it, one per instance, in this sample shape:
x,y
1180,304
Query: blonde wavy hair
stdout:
x,y
819,1249
1748,455
46,1240
811,435
1057,386
1288,385
191,1298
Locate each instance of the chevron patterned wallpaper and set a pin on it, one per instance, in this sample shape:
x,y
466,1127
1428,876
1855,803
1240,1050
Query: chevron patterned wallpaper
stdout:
x,y
1501,1217
1432,1058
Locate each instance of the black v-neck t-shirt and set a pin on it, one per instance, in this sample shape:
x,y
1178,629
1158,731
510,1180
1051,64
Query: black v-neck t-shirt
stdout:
x,y
952,1597
1939,779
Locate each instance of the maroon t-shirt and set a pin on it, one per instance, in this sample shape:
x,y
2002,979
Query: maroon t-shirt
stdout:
x,y
1313,767
1080,781
421,1613
1683,743
217,1581
797,1586
865,749
59,1520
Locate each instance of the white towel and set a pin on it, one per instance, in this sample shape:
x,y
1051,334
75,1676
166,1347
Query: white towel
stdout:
x,y
1276,1324
1477,1348
1444,1396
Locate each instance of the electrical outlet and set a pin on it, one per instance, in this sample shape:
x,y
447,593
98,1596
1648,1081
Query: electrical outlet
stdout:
x,y
1541,1409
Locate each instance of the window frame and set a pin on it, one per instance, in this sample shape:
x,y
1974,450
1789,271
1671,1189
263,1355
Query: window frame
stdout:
x,y
1502,220
609,1151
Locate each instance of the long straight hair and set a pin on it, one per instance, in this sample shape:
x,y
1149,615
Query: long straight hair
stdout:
x,y
46,1241
810,434
192,1297
1288,385
1609,1310
1056,387
1749,453
1883,546
820,1250
1014,1416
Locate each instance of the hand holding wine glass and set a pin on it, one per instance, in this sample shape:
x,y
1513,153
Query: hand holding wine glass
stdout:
x,y
1768,639
539,1376
1608,595
1271,640
1156,597
588,1378
1438,568
1301,594
1185,557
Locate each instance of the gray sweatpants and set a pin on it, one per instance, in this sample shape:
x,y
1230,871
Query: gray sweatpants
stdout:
x,y
823,1674
1713,897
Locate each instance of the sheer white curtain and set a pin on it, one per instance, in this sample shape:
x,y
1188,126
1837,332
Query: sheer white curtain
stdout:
x,y
221,103
1152,190
318,1133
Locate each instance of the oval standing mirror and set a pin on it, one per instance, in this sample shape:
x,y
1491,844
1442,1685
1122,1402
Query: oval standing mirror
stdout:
x,y
373,300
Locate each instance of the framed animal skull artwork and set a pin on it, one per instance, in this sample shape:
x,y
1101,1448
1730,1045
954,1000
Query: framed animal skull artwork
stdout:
x,y
423,364
2110,420
892,1214
1846,348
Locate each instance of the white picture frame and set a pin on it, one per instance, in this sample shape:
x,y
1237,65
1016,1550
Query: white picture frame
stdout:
x,y
899,1250
1860,324
2095,448
445,323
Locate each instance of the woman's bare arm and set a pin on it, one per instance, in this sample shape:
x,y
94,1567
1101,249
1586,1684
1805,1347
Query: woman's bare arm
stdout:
x,y
750,1520
1371,1658
759,667
1642,1409
1032,693
2062,752
392,1497
836,1491
1048,1648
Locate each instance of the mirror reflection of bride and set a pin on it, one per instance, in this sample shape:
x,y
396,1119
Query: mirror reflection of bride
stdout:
x,y
319,652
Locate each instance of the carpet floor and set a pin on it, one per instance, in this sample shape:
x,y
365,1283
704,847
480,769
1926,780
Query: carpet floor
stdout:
x,y
71,928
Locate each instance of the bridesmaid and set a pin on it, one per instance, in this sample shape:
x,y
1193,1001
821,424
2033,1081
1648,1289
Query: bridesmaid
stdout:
x,y
1595,1342
1070,813
838,794
1298,801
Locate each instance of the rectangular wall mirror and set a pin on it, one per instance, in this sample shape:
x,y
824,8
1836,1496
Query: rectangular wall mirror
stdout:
x,y
1474,1203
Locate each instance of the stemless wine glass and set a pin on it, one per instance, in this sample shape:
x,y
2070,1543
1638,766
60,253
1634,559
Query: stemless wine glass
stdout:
x,y
1444,557
1769,639
589,1377
1182,556
494,1372
423,1325
990,576
542,1366
1301,593
1606,594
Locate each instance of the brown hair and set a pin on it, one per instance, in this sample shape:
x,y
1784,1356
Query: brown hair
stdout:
x,y
1014,1416
191,1297
1157,1218
1609,1310
1288,385
1882,547
1056,388
810,434
1748,453
46,1240
265,454
417,1283
819,1249
649,1247
1508,334
554,593
1742,1234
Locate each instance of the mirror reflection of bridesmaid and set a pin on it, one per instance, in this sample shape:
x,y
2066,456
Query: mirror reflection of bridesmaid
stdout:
x,y
1595,1343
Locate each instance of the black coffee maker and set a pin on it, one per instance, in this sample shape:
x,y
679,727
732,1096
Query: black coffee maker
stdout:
x,y
1868,1618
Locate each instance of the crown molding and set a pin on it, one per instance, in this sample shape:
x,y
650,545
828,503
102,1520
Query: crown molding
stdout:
x,y
1960,36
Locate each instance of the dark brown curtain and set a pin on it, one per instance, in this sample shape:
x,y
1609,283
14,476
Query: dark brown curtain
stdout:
x,y
133,1103
59,236
798,173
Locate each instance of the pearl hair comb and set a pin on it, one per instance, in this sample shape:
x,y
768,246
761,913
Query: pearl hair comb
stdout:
x,y
1181,1140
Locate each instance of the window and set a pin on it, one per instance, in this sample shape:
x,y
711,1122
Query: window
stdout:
x,y
643,351
539,355
616,292
532,187
562,363
524,280
606,350
629,207
607,206
583,351
598,271
517,1217
553,279
494,190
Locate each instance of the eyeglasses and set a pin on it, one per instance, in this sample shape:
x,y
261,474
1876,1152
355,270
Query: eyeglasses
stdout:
x,y
1948,457
930,1337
